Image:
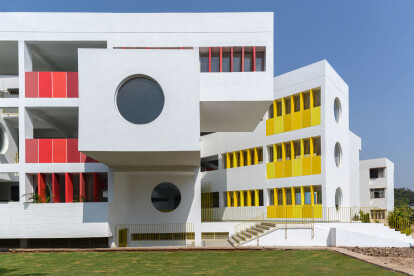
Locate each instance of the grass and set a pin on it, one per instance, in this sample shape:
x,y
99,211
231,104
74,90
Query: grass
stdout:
x,y
291,262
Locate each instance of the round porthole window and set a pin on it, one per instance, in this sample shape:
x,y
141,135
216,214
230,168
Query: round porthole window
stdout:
x,y
338,198
166,197
337,110
140,99
338,154
3,141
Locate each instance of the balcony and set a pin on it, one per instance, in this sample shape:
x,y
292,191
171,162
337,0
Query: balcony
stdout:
x,y
55,151
52,85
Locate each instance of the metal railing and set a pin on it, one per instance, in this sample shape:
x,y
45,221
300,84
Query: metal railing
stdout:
x,y
148,235
14,93
10,111
232,214
400,224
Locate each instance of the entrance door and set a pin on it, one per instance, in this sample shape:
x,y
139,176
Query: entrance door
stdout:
x,y
123,237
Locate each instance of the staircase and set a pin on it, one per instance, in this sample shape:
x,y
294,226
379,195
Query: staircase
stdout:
x,y
256,230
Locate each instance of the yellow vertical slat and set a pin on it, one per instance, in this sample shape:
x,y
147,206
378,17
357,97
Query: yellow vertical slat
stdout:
x,y
302,195
228,199
312,196
249,198
241,198
293,195
241,159
311,98
283,152
302,148
301,101
235,199
256,197
256,156
235,161
284,196
274,109
228,160
249,157
275,198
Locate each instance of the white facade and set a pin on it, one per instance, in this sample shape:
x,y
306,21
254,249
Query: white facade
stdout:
x,y
64,137
376,178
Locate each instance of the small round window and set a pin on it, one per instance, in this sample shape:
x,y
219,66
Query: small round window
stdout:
x,y
166,197
337,110
338,198
140,99
3,141
338,154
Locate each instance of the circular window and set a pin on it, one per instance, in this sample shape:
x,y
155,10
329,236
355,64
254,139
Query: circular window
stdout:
x,y
3,141
140,99
338,198
338,154
166,197
337,110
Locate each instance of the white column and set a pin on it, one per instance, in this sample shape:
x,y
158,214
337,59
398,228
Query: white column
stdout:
x,y
197,207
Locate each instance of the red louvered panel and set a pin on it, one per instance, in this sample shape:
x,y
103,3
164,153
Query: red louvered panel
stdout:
x,y
45,84
72,85
32,151
73,155
59,84
59,151
45,151
32,84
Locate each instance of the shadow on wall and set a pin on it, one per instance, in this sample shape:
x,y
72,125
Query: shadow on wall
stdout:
x,y
94,212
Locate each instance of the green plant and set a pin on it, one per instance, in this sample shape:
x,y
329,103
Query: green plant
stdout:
x,y
364,217
35,198
355,218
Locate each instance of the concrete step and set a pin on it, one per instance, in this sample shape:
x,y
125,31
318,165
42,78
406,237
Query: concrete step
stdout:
x,y
264,227
253,232
246,234
232,241
269,224
257,229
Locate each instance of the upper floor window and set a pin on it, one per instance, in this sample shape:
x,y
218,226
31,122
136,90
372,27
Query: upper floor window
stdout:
x,y
377,193
316,98
376,173
317,146
306,101
232,59
288,108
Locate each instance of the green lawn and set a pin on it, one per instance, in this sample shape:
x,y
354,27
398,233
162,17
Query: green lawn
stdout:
x,y
291,262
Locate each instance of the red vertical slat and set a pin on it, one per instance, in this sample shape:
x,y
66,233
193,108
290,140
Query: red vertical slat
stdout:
x,y
59,151
45,151
45,84
221,59
55,188
96,187
68,187
32,84
59,84
242,59
32,150
72,85
209,59
41,187
254,58
231,59
82,185
73,155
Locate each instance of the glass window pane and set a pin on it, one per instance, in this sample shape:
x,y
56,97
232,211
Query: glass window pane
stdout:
x,y
248,61
259,62
215,62
236,62
204,63
225,67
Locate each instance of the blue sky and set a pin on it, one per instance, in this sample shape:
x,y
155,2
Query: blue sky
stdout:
x,y
369,43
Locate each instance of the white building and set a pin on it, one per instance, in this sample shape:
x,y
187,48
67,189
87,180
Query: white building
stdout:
x,y
101,121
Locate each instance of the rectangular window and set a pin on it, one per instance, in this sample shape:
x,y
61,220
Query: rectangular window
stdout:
x,y
279,108
260,153
376,173
252,192
280,197
317,194
288,153
288,192
248,60
260,61
209,163
215,60
260,197
306,101
270,113
225,63
377,193
298,197
317,146
279,153
317,98
270,154
288,108
204,63
271,197
296,146
224,158
307,191
225,199
296,102
237,59
306,147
